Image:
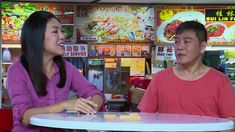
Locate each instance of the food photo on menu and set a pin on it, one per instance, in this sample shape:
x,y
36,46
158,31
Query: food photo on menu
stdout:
x,y
136,50
165,32
169,30
118,23
220,32
217,31
123,50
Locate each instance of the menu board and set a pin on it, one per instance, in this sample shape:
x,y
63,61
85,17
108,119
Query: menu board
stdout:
x,y
218,20
102,50
123,50
145,51
116,23
137,65
140,50
136,50
220,24
126,62
15,13
109,50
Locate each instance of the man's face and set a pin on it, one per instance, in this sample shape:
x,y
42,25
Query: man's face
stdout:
x,y
188,49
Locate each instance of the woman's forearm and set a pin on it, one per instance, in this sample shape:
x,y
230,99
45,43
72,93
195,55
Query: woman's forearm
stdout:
x,y
56,108
78,104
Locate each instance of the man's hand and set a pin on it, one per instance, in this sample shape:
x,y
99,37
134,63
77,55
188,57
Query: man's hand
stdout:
x,y
136,94
233,119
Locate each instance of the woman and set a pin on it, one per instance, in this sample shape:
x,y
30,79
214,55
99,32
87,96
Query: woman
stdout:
x,y
40,82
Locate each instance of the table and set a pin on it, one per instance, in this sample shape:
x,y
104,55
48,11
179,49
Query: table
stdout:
x,y
146,122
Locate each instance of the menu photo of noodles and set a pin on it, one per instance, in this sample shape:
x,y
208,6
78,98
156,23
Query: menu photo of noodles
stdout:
x,y
166,31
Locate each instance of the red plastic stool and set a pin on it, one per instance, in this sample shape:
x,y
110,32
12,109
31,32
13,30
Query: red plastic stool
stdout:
x,y
6,120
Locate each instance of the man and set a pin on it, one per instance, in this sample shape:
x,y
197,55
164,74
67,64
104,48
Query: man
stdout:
x,y
190,87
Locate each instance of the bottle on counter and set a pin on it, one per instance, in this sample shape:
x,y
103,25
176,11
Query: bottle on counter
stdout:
x,y
6,55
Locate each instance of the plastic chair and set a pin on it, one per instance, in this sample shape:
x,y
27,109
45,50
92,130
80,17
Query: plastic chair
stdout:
x,y
6,120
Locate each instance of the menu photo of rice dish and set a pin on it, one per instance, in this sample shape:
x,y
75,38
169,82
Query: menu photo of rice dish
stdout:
x,y
166,31
215,31
169,30
136,50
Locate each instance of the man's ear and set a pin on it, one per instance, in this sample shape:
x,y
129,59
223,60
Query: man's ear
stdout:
x,y
203,46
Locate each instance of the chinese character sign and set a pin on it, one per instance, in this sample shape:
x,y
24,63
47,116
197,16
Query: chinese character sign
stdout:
x,y
170,53
220,14
75,50
160,54
165,53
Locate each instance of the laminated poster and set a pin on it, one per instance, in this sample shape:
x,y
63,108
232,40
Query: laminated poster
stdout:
x,y
117,23
14,15
218,20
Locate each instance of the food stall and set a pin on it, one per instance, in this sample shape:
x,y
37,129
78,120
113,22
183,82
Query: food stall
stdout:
x,y
110,43
119,39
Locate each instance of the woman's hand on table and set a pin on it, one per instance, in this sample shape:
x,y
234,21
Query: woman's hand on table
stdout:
x,y
86,106
82,105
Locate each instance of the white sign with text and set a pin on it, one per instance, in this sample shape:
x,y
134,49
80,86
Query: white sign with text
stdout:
x,y
165,53
75,50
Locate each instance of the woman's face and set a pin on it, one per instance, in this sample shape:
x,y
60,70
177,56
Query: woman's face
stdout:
x,y
54,39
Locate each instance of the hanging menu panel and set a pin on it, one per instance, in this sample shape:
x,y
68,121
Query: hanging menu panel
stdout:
x,y
116,23
15,13
218,20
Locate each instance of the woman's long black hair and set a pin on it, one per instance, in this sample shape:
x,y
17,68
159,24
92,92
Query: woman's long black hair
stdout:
x,y
32,46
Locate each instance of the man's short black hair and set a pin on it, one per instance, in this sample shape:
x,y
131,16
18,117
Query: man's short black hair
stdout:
x,y
196,27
